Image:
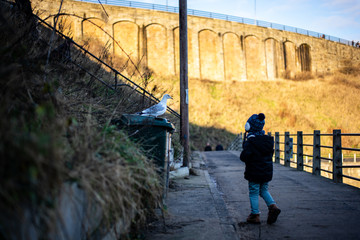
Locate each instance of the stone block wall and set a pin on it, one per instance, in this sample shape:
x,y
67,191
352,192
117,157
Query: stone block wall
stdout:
x,y
218,50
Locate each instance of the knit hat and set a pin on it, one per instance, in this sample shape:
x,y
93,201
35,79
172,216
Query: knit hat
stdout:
x,y
255,124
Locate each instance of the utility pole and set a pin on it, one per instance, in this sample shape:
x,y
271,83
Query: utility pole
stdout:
x,y
255,11
184,89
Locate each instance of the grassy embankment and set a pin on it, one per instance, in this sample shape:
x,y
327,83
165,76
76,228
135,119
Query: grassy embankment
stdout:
x,y
219,110
54,129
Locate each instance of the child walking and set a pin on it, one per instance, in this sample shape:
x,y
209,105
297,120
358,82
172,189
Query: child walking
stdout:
x,y
257,153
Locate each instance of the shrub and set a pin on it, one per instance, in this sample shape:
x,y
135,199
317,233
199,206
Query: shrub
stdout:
x,y
303,76
54,128
349,69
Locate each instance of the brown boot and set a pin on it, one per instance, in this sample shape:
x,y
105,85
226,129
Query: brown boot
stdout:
x,y
253,218
274,212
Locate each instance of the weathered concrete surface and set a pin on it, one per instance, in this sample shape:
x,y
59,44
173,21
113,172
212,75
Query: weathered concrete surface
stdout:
x,y
214,205
196,210
179,173
218,50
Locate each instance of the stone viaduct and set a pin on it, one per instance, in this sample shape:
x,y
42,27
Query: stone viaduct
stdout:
x,y
218,50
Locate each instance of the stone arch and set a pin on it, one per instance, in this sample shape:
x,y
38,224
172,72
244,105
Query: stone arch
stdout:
x,y
305,57
290,58
191,60
65,24
157,54
255,58
126,40
94,29
233,57
209,49
274,60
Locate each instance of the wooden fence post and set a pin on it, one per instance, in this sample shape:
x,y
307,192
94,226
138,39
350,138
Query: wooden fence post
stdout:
x,y
316,153
277,148
299,151
287,150
337,159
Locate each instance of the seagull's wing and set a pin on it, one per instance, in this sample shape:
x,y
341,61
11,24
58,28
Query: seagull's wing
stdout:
x,y
155,110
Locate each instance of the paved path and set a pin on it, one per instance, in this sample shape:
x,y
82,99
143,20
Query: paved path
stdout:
x,y
312,207
213,205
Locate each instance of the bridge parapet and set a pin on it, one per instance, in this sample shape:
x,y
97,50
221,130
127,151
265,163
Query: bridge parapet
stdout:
x,y
220,16
221,47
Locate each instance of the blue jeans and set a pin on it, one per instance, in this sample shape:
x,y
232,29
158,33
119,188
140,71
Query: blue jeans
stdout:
x,y
256,189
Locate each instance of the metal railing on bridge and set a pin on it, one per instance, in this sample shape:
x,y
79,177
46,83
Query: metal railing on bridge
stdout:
x,y
220,16
334,165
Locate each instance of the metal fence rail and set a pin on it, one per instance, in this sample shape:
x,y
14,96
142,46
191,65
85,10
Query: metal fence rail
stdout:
x,y
220,16
236,145
287,147
117,74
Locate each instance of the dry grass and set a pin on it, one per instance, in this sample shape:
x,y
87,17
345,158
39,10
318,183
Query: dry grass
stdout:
x,y
327,103
301,76
56,129
348,68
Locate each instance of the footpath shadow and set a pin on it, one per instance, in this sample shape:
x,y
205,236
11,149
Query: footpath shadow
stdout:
x,y
200,136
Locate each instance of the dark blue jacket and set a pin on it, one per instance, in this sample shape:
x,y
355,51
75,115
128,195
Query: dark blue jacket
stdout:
x,y
257,154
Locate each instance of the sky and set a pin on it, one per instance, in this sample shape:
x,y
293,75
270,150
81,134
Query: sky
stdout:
x,y
338,18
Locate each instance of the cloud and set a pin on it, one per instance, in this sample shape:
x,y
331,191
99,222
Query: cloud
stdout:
x,y
340,2
337,26
343,6
281,7
337,22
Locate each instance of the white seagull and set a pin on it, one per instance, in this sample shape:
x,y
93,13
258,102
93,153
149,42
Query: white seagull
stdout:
x,y
157,109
